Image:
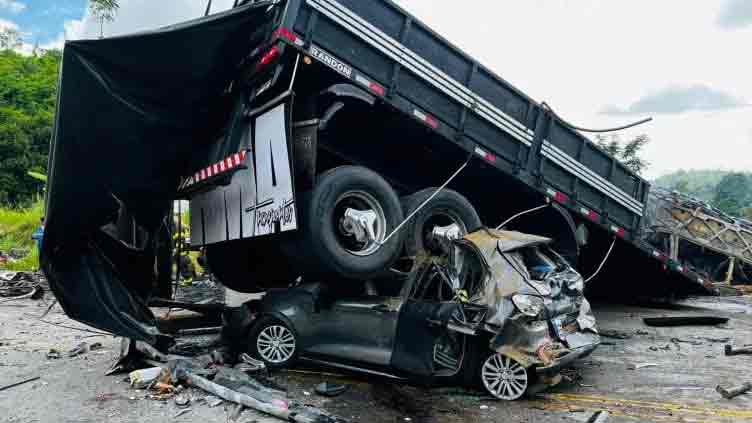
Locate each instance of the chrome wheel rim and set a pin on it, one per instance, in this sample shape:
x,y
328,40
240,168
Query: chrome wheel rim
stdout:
x,y
275,344
360,201
504,377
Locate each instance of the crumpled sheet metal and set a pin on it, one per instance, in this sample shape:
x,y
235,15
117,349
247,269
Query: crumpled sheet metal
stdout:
x,y
488,240
506,274
521,340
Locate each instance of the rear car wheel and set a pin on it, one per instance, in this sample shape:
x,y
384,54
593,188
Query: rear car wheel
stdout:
x,y
347,215
503,377
274,342
447,208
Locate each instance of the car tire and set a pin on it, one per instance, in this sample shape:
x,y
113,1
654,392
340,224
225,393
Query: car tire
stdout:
x,y
502,376
330,250
274,342
446,208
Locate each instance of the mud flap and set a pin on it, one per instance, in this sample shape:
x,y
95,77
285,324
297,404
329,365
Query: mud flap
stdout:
x,y
260,199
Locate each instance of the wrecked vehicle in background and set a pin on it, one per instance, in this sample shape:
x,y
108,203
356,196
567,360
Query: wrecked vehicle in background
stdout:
x,y
498,309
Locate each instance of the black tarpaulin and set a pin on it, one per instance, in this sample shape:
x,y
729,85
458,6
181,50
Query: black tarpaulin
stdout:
x,y
130,111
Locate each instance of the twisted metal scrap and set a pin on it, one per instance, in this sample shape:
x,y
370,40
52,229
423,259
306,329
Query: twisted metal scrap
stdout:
x,y
17,285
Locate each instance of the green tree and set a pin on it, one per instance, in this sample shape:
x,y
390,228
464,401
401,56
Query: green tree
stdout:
x,y
103,11
733,194
27,101
628,153
10,39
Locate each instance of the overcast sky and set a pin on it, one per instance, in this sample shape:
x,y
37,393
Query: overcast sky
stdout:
x,y
598,63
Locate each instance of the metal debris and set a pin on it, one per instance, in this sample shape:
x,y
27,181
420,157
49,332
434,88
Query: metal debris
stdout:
x,y
181,412
638,366
730,350
79,349
614,334
734,391
182,400
685,321
599,417
12,385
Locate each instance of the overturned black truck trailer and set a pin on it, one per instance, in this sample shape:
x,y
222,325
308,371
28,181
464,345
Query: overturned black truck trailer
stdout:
x,y
304,132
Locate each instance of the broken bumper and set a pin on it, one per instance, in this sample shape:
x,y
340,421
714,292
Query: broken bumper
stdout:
x,y
565,360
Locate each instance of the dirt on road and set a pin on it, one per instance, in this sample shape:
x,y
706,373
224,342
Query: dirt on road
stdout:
x,y
640,373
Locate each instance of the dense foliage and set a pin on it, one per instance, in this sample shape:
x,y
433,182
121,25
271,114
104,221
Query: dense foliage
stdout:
x,y
628,153
729,191
27,102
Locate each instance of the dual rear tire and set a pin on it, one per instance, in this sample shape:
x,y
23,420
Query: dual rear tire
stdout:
x,y
328,244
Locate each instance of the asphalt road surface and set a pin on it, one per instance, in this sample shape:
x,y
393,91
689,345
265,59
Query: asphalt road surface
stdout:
x,y
683,367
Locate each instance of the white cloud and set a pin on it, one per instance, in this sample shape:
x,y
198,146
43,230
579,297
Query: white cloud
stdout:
x,y
680,99
581,56
142,15
24,48
12,6
7,24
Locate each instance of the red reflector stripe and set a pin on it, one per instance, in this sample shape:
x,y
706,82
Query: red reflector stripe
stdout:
x,y
268,57
485,155
426,118
660,256
287,35
589,214
224,165
620,232
559,197
376,88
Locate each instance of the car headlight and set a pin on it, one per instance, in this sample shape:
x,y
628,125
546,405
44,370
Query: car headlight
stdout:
x,y
528,305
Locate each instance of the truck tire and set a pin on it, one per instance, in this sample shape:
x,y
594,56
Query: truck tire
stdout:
x,y
331,247
448,207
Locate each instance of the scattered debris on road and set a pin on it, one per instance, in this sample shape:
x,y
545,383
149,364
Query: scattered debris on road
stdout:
x,y
614,334
734,391
638,366
328,389
685,321
599,417
12,385
730,350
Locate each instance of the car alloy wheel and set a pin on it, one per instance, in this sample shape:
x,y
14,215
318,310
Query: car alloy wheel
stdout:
x,y
504,377
275,344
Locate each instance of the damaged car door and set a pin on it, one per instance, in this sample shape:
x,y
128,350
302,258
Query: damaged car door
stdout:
x,y
360,329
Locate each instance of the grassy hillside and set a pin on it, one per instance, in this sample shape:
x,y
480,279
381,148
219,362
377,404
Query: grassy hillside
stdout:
x,y
16,227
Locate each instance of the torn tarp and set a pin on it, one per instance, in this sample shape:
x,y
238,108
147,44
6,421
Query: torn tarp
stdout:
x,y
130,111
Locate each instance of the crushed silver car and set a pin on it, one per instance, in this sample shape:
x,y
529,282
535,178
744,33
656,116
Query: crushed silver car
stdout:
x,y
494,309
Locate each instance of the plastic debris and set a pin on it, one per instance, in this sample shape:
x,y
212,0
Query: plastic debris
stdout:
x,y
142,379
328,389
